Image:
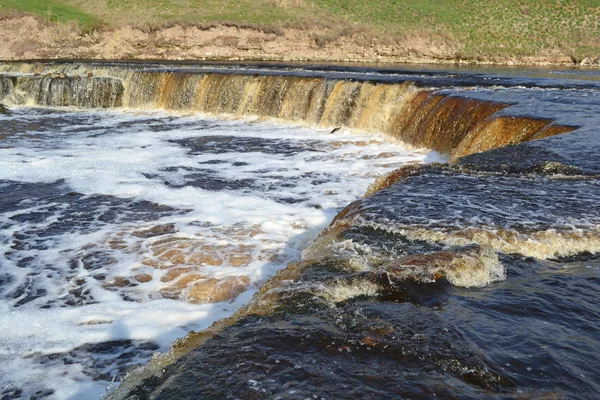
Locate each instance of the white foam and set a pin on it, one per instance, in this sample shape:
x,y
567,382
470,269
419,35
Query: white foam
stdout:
x,y
129,159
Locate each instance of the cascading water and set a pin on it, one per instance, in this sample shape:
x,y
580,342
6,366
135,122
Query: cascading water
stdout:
x,y
417,117
61,91
125,229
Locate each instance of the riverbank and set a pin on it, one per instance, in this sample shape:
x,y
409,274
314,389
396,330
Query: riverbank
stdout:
x,y
28,37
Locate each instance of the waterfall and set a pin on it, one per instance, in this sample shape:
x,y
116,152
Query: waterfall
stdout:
x,y
456,126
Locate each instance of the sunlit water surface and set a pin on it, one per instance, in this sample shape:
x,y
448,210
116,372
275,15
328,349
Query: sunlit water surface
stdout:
x,y
116,226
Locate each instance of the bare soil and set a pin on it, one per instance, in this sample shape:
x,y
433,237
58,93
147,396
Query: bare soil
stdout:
x,y
26,37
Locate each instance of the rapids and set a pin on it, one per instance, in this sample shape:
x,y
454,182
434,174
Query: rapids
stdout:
x,y
297,210
122,231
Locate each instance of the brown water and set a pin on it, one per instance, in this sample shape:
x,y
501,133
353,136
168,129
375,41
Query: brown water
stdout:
x,y
474,279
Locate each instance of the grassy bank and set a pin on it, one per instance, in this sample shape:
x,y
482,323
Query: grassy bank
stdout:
x,y
51,11
477,28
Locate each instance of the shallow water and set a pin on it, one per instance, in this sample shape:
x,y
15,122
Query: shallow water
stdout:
x,y
91,202
122,231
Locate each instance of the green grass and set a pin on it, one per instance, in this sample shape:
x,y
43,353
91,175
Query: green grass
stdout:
x,y
159,13
52,11
476,27
491,27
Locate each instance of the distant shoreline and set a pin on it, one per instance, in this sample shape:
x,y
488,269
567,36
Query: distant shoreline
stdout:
x,y
28,39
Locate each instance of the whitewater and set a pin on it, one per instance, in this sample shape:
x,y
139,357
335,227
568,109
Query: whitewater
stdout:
x,y
123,231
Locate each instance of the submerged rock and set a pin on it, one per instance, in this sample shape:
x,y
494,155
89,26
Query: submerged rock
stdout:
x,y
372,309
216,290
425,287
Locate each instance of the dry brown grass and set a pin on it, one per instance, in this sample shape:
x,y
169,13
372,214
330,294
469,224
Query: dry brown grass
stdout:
x,y
287,3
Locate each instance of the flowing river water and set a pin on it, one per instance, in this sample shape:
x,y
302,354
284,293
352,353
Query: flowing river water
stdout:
x,y
145,201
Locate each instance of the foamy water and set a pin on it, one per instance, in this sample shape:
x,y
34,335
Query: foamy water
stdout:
x,y
122,231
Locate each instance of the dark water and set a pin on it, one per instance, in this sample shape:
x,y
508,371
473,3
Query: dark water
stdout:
x,y
468,281
90,201
532,336
345,324
538,329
